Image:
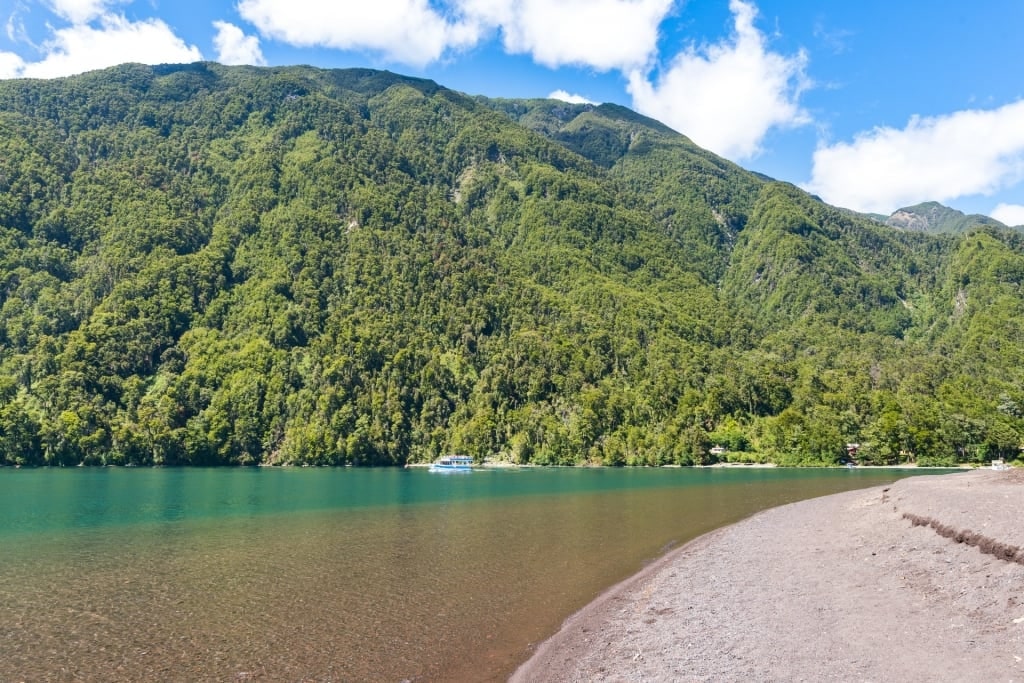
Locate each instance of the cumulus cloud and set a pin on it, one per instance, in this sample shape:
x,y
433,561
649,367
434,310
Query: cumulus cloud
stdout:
x,y
727,96
234,47
80,11
11,65
407,31
82,47
932,158
571,98
602,34
1010,214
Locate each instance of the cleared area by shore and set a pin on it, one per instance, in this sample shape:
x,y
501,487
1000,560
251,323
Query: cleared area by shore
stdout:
x,y
921,580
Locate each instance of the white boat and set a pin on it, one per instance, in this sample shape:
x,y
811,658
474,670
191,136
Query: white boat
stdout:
x,y
453,463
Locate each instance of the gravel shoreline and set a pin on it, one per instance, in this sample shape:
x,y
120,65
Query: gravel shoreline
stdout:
x,y
921,580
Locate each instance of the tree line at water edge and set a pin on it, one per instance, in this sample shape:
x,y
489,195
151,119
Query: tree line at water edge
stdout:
x,y
207,265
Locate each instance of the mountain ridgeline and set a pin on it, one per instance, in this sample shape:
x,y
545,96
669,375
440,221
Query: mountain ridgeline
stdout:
x,y
935,218
231,265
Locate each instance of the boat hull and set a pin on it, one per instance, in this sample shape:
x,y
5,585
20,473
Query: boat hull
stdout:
x,y
453,463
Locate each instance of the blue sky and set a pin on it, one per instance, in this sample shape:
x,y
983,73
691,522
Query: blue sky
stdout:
x,y
872,105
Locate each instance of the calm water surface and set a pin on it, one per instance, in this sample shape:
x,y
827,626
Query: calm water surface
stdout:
x,y
335,574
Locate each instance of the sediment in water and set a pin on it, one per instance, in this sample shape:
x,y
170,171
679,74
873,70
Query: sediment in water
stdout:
x,y
916,581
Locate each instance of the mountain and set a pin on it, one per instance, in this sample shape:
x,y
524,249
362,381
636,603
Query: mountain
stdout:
x,y
205,265
933,217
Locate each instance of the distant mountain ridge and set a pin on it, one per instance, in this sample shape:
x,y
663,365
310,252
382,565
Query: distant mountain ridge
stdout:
x,y
934,218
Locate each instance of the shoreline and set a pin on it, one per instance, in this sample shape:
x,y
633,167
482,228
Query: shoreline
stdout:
x,y
505,465
852,586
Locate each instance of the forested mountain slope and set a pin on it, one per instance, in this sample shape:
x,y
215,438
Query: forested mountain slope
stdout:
x,y
209,265
935,218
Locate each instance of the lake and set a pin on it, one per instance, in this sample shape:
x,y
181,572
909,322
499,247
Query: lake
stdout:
x,y
336,574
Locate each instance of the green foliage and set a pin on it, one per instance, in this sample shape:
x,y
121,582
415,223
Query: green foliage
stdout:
x,y
935,218
229,265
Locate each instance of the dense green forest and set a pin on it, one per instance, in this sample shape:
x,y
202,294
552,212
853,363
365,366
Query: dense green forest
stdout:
x,y
231,265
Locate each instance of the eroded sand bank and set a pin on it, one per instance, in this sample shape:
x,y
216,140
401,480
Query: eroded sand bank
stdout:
x,y
845,587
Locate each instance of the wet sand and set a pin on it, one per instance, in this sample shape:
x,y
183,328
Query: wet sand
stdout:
x,y
921,580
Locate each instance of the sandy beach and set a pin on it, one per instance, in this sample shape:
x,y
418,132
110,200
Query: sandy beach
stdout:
x,y
921,580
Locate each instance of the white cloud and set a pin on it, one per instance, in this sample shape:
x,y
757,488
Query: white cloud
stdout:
x,y
234,47
1010,214
603,34
727,96
936,158
80,11
82,48
14,27
407,31
569,97
11,65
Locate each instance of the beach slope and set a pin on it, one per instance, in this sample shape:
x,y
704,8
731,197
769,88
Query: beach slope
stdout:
x,y
922,580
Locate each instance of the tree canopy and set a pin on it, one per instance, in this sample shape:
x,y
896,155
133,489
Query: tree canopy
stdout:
x,y
204,265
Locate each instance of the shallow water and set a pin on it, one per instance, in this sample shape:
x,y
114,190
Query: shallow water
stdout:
x,y
335,574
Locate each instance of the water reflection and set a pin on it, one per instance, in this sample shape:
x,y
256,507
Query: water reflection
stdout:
x,y
333,574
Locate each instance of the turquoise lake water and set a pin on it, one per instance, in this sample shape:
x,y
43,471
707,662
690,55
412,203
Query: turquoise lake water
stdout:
x,y
336,574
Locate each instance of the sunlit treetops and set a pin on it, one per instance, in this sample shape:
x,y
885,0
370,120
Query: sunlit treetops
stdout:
x,y
231,265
